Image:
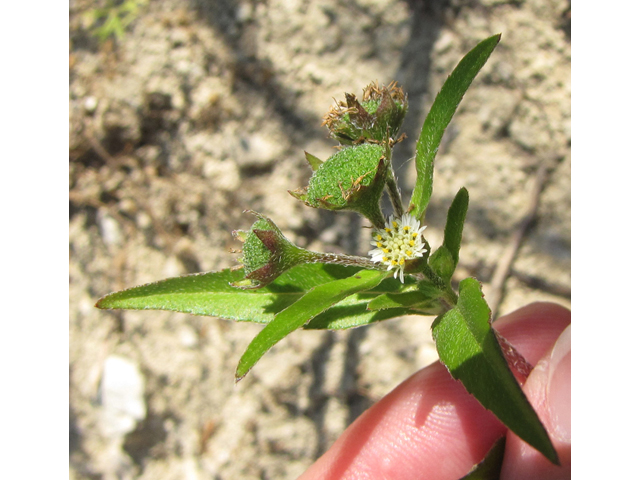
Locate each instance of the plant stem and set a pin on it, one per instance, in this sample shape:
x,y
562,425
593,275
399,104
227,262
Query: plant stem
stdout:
x,y
373,213
339,259
392,186
394,195
448,294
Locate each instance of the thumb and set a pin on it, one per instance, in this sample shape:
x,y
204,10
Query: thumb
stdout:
x,y
548,388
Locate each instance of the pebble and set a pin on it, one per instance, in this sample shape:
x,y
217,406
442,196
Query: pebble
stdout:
x,y
121,397
90,104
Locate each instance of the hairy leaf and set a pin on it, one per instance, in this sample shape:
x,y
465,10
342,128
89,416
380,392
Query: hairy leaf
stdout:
x,y
312,304
414,300
455,223
441,113
467,345
210,293
442,263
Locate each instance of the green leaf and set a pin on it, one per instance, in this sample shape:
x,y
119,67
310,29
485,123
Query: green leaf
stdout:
x,y
445,259
467,345
316,301
395,300
455,223
210,293
415,301
441,113
442,263
489,468
353,312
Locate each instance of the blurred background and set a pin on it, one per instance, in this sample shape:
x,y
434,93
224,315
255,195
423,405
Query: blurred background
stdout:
x,y
185,113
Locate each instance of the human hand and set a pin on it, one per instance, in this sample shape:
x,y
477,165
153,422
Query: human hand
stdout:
x,y
430,427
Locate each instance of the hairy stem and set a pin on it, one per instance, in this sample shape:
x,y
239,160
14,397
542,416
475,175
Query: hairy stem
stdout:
x,y
339,259
448,294
394,195
392,186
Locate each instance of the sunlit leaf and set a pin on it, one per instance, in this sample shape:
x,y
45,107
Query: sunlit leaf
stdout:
x,y
210,293
441,113
312,304
455,223
468,347
414,300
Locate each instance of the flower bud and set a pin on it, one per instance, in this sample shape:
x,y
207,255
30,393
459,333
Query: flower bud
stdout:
x,y
377,118
351,179
266,253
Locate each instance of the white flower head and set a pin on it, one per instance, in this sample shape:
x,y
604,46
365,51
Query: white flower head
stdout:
x,y
399,241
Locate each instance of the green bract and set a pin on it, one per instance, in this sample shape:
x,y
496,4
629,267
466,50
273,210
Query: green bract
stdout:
x,y
351,179
266,253
255,254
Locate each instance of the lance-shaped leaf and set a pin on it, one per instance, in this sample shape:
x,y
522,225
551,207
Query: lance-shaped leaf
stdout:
x,y
306,308
211,293
445,259
455,223
441,113
356,310
353,311
470,350
413,299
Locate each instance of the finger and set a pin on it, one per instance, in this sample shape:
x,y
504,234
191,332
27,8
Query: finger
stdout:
x,y
428,427
533,329
548,388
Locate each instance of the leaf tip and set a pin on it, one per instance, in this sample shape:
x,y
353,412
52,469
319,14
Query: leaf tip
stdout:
x,y
553,456
101,303
239,375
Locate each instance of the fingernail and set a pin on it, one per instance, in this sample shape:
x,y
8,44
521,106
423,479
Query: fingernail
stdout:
x,y
559,387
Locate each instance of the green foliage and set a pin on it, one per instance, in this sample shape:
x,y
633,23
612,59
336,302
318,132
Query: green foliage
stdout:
x,y
351,179
445,259
467,345
441,113
267,254
287,287
113,18
302,311
212,294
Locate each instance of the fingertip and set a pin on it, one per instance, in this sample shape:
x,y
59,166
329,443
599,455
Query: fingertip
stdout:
x,y
559,387
533,329
548,389
429,423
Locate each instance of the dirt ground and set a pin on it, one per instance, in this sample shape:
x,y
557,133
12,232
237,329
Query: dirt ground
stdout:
x,y
203,109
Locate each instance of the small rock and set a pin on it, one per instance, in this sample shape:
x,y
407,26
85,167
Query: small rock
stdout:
x,y
109,229
257,151
90,104
244,12
121,397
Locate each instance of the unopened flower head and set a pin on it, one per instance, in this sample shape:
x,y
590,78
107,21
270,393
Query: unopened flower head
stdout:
x,y
398,242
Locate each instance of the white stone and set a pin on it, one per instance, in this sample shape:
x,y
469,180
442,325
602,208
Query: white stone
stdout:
x,y
121,397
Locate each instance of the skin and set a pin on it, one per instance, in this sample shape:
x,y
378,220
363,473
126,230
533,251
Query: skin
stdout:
x,y
430,427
